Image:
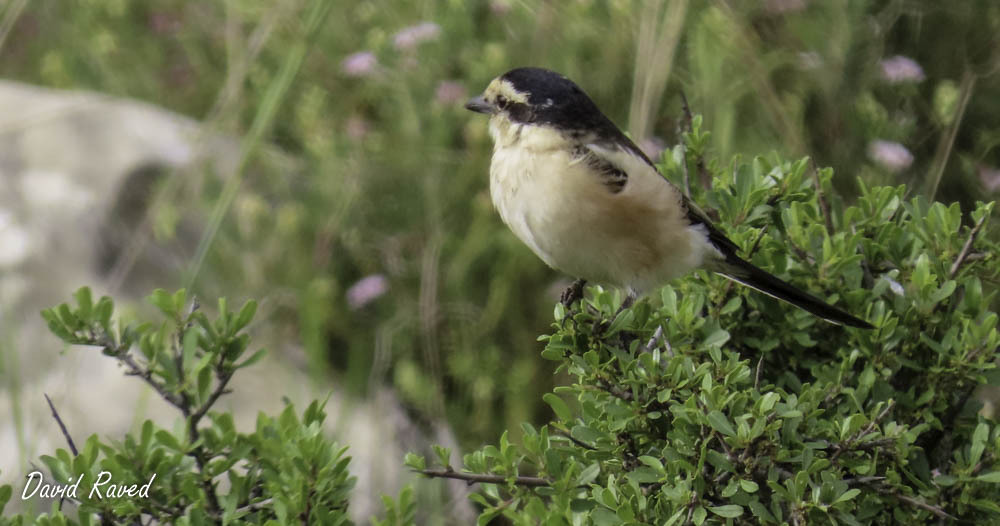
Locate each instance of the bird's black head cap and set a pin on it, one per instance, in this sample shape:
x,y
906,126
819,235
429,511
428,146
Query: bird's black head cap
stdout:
x,y
554,100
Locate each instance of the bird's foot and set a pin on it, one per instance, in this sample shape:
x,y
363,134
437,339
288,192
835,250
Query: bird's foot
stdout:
x,y
626,303
572,293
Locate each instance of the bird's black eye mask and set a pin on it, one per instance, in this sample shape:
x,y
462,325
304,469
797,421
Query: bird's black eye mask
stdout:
x,y
518,111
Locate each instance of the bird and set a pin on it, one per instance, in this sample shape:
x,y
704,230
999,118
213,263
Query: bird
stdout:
x,y
588,202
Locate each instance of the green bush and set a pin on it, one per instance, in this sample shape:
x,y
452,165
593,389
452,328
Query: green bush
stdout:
x,y
706,402
204,471
713,403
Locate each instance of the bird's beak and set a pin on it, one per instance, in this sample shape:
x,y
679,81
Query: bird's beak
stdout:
x,y
479,105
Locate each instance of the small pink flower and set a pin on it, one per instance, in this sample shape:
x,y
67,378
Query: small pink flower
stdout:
x,y
449,92
500,7
357,127
809,60
360,64
411,37
163,23
900,69
891,155
990,177
367,290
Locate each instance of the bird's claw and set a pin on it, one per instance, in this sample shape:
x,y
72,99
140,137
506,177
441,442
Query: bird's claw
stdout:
x,y
572,293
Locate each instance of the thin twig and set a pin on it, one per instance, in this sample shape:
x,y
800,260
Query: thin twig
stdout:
x,y
476,478
577,441
691,503
55,414
947,143
847,444
824,207
703,176
655,340
219,391
936,510
760,369
135,370
863,480
964,254
685,127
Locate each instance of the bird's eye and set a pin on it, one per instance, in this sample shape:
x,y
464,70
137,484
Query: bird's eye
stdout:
x,y
501,101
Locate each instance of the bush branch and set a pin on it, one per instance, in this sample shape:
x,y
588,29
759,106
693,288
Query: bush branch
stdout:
x,y
964,254
55,414
476,478
848,444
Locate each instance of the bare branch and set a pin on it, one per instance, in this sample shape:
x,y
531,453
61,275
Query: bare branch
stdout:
x,y
849,443
577,441
756,376
936,510
476,478
55,414
824,207
964,254
655,340
135,370
703,176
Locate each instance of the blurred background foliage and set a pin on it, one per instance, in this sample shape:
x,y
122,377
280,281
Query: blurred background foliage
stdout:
x,y
378,248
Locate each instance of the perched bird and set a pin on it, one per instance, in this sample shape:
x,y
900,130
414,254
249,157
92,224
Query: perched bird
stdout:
x,y
589,203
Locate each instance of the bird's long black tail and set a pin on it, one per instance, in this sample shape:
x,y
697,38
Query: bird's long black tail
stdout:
x,y
743,272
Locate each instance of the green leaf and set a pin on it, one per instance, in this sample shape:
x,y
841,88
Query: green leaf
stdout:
x,y
699,515
5,493
443,455
167,439
847,495
589,474
414,461
558,406
604,517
991,477
728,511
652,462
669,298
720,423
625,318
162,300
979,437
204,384
749,486
245,316
84,301
254,358
767,402
716,339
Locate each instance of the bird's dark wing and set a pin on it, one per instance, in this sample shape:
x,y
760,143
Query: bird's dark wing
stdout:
x,y
612,176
